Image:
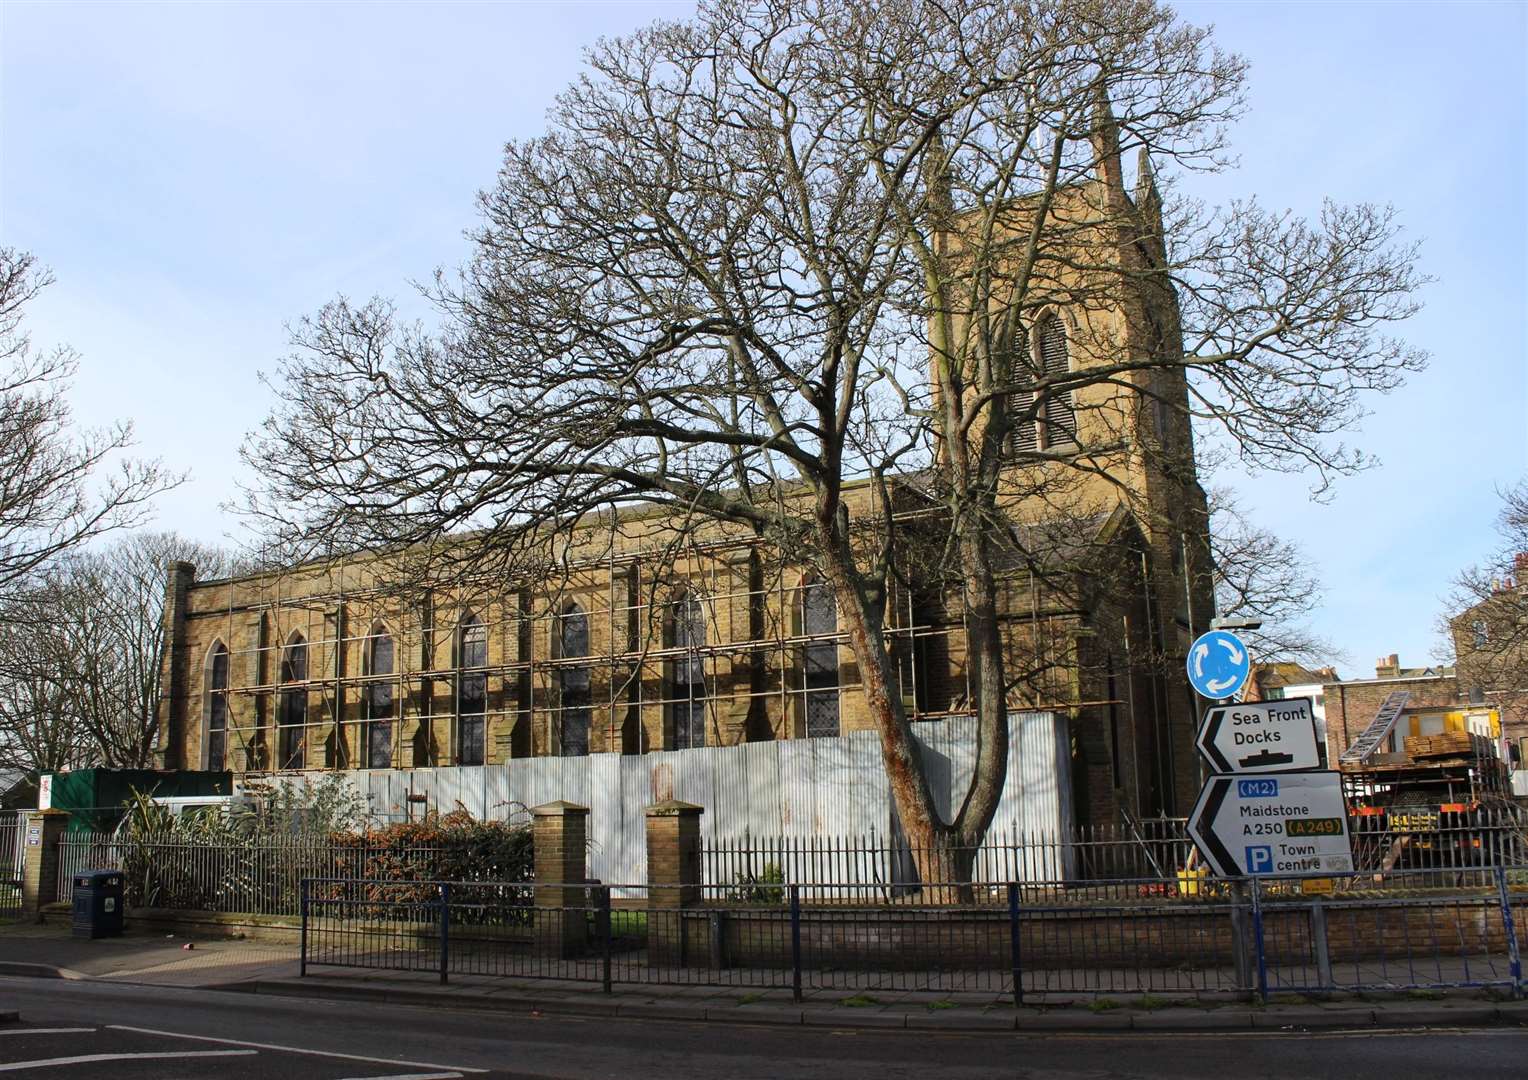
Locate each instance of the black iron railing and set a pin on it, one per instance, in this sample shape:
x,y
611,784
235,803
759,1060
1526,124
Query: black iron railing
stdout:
x,y
1180,935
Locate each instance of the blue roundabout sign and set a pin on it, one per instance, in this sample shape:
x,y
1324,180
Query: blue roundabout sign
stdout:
x,y
1218,663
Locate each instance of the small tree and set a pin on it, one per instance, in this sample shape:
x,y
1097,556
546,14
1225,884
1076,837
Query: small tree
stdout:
x,y
779,248
85,653
1485,622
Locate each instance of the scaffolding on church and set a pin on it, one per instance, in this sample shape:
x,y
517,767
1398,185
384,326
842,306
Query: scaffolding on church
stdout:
x,y
313,687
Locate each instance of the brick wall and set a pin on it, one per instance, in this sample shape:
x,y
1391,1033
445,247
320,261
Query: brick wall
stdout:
x,y
1350,706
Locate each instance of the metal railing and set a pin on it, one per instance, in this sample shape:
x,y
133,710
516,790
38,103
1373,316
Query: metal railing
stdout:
x,y
12,855
1383,842
1017,939
257,878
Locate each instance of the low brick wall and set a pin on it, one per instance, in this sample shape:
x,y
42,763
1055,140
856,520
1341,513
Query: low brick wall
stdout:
x,y
1180,936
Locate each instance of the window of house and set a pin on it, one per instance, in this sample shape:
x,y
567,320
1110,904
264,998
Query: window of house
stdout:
x,y
1060,419
688,705
1482,633
217,708
573,684
292,717
379,699
819,623
1274,693
471,691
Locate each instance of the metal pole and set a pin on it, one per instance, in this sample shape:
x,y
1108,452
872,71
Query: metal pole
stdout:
x,y
1319,945
1514,957
603,897
796,942
1257,937
1013,944
302,956
1239,934
445,930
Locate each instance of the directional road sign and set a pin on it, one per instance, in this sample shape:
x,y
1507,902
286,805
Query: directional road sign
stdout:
x,y
1260,737
1218,663
1291,825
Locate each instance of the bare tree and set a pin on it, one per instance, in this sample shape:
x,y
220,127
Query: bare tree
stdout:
x,y
785,247
1485,620
40,730
81,680
60,485
1260,575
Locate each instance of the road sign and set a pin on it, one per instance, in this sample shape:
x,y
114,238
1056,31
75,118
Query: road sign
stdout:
x,y
1260,737
1291,825
1218,663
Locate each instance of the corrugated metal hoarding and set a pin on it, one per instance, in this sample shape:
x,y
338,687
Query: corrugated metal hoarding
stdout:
x,y
798,788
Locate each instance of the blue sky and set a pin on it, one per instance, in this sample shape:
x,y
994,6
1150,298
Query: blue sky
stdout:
x,y
199,175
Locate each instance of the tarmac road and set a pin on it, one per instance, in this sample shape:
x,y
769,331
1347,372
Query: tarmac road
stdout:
x,y
233,1036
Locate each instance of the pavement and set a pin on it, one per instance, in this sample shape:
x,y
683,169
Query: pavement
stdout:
x,y
267,968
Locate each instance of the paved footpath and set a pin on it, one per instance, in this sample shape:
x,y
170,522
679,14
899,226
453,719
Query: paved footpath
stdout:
x,y
272,968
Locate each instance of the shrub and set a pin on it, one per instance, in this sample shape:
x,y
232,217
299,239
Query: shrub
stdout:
x,y
765,887
251,861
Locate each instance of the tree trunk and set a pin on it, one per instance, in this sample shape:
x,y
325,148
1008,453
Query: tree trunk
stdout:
x,y
944,853
984,647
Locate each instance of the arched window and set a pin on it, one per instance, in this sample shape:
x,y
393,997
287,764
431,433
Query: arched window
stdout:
x,y
1023,431
819,623
471,690
292,718
1060,418
688,694
216,676
573,683
379,700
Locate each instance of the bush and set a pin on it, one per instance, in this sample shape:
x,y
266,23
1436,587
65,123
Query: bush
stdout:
x,y
211,860
765,887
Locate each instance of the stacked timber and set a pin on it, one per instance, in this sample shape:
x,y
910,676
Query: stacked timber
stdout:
x,y
1448,744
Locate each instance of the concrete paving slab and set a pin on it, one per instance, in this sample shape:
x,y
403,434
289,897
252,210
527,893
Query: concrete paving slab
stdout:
x,y
853,1018
1191,1019
689,1011
961,1020
1468,1015
1072,1020
1295,1017
758,1014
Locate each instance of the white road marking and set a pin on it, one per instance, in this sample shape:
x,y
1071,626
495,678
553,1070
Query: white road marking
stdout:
x,y
83,1059
46,1031
297,1050
411,1076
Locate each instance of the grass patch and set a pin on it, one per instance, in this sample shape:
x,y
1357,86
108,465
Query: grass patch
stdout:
x,y
1425,995
1288,999
1098,1005
1152,1002
935,1006
860,1001
749,999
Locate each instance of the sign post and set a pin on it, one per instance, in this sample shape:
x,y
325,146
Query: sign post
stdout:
x,y
1267,810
